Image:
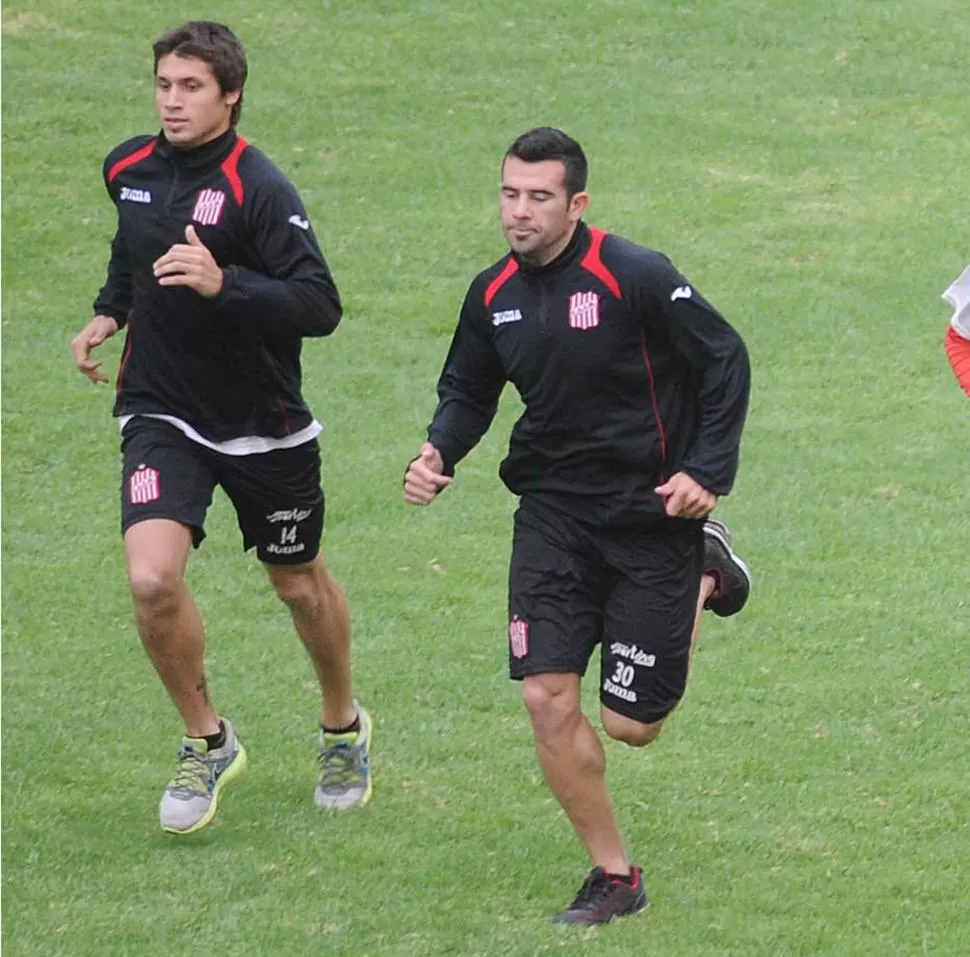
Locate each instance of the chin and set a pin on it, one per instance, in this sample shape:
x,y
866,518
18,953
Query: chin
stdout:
x,y
522,248
182,138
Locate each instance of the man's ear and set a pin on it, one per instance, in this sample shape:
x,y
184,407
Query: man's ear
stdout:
x,y
578,205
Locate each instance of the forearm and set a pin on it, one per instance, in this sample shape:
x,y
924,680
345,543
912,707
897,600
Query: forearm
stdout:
x,y
713,459
298,306
114,298
457,427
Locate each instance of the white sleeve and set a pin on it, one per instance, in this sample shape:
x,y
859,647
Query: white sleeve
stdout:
x,y
957,295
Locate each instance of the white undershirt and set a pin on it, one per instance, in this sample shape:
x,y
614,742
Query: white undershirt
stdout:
x,y
246,445
958,296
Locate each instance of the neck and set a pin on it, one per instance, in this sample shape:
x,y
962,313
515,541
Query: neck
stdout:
x,y
210,138
550,253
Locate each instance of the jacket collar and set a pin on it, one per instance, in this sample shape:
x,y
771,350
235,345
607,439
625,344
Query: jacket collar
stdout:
x,y
207,156
573,253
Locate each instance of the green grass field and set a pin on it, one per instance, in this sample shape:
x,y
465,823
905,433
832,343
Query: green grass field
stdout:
x,y
805,164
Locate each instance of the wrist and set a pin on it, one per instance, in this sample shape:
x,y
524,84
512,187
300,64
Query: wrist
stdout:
x,y
112,323
221,286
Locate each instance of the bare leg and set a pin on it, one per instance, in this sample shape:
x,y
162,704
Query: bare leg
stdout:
x,y
708,584
168,620
322,619
574,764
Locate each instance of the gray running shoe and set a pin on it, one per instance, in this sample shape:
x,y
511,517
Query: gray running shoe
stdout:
x,y
344,759
731,576
192,796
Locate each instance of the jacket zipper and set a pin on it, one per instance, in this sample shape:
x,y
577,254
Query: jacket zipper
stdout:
x,y
543,318
170,201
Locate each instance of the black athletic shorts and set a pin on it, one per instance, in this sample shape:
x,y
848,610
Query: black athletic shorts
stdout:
x,y
277,495
633,591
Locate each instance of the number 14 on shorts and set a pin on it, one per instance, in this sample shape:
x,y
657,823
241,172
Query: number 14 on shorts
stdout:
x,y
287,544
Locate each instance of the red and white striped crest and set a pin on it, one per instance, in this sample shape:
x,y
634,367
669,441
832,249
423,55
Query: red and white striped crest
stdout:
x,y
144,486
519,637
584,310
208,206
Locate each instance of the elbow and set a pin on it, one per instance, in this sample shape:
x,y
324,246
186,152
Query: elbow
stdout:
x,y
323,317
743,359
328,324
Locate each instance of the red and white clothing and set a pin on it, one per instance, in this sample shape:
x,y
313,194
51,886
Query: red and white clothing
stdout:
x,y
957,295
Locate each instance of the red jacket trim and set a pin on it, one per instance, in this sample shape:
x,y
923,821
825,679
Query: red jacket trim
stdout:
x,y
594,264
511,268
131,159
230,166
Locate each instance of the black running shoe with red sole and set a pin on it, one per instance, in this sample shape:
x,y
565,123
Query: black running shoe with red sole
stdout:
x,y
732,577
603,898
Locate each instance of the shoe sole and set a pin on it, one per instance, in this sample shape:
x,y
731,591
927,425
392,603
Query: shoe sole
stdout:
x,y
602,923
232,772
715,532
365,800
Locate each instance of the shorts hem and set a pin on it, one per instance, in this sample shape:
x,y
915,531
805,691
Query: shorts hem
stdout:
x,y
553,670
627,710
300,558
197,532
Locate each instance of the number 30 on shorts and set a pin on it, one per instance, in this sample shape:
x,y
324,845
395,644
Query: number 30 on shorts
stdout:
x,y
624,674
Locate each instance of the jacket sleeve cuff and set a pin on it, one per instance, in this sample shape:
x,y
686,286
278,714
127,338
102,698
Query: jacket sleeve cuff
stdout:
x,y
120,316
718,486
228,278
450,455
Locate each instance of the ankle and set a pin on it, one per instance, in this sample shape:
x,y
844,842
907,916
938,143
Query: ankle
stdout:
x,y
349,728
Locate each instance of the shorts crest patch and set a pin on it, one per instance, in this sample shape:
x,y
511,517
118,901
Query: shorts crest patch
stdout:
x,y
144,486
519,637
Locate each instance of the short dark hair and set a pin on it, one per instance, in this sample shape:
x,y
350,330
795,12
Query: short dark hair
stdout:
x,y
548,143
214,44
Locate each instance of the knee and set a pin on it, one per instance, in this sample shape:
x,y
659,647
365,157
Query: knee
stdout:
x,y
154,590
301,591
535,696
634,733
550,700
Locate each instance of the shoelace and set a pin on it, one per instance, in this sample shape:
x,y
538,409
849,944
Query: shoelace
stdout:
x,y
193,775
594,888
339,765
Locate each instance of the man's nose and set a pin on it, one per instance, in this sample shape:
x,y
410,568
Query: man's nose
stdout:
x,y
522,208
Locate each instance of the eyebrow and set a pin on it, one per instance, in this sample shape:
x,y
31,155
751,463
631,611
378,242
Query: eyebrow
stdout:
x,y
191,78
537,191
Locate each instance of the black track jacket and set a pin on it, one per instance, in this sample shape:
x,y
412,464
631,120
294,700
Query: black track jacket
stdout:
x,y
627,373
229,366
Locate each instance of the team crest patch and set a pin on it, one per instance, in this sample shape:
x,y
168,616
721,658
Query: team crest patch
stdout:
x,y
584,310
208,207
519,637
144,486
